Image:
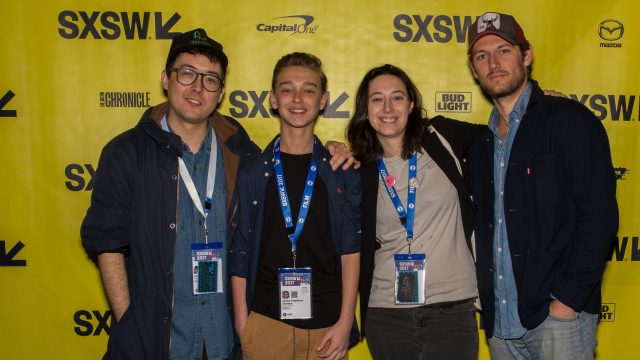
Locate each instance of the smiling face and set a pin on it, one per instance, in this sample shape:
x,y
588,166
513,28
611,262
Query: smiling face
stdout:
x,y
499,66
389,108
298,96
191,104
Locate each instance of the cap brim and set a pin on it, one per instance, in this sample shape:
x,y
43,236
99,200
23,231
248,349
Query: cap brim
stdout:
x,y
501,35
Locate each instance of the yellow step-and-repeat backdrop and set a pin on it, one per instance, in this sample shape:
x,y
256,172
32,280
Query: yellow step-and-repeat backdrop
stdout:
x,y
74,73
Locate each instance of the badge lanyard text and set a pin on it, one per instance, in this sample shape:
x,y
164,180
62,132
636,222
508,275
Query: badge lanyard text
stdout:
x,y
294,233
211,180
406,215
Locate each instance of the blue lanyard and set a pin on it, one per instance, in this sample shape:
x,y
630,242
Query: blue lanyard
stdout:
x,y
406,215
294,234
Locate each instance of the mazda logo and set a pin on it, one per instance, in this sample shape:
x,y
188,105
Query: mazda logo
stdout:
x,y
610,30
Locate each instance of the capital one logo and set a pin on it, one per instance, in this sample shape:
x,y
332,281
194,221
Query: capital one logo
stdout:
x,y
611,30
112,25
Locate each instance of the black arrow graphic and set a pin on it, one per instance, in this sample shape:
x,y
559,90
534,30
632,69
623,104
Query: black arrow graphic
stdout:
x,y
163,30
4,101
331,109
6,259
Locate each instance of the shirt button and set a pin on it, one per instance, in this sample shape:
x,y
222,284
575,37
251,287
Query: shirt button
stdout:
x,y
174,177
504,301
265,162
501,193
255,202
203,302
266,174
502,164
324,159
172,226
500,277
500,221
499,249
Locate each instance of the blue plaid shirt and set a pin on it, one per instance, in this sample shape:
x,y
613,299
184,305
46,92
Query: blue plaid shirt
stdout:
x,y
507,321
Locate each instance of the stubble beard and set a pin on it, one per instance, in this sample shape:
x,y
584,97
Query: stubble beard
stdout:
x,y
519,76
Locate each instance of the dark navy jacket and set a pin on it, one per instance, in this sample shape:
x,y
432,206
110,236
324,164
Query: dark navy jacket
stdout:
x,y
560,208
134,211
343,189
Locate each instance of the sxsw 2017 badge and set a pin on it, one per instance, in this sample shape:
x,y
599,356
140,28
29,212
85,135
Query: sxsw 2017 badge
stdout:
x,y
206,264
295,293
410,279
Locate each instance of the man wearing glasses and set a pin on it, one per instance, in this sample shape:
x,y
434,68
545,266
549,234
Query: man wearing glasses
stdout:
x,y
158,217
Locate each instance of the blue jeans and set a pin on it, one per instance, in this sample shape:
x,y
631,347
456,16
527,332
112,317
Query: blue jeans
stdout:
x,y
438,331
555,338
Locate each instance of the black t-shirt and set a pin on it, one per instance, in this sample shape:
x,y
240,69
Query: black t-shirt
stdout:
x,y
315,248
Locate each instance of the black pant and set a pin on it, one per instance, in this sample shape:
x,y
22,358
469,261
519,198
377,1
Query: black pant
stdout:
x,y
436,331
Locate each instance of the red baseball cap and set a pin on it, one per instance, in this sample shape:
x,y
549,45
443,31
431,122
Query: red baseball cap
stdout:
x,y
491,23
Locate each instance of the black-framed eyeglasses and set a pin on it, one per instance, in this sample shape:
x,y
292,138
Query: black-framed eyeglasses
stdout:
x,y
186,77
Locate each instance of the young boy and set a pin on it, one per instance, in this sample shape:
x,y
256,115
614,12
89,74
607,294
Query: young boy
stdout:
x,y
294,259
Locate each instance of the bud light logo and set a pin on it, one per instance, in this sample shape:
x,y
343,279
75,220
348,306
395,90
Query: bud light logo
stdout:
x,y
453,102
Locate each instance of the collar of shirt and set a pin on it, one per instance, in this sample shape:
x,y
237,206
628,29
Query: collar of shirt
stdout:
x,y
206,143
519,109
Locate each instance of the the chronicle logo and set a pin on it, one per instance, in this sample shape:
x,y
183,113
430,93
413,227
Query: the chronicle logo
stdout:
x,y
608,312
292,25
124,99
112,25
610,30
454,102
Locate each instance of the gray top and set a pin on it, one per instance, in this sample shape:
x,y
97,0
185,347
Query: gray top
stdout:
x,y
438,233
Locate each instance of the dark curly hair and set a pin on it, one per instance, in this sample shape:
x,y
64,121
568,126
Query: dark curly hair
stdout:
x,y
362,137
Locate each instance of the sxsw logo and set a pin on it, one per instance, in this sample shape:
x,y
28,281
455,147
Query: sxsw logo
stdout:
x,y
456,102
252,104
79,177
112,25
124,99
625,250
617,107
292,25
8,258
431,28
4,100
92,322
610,30
608,312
